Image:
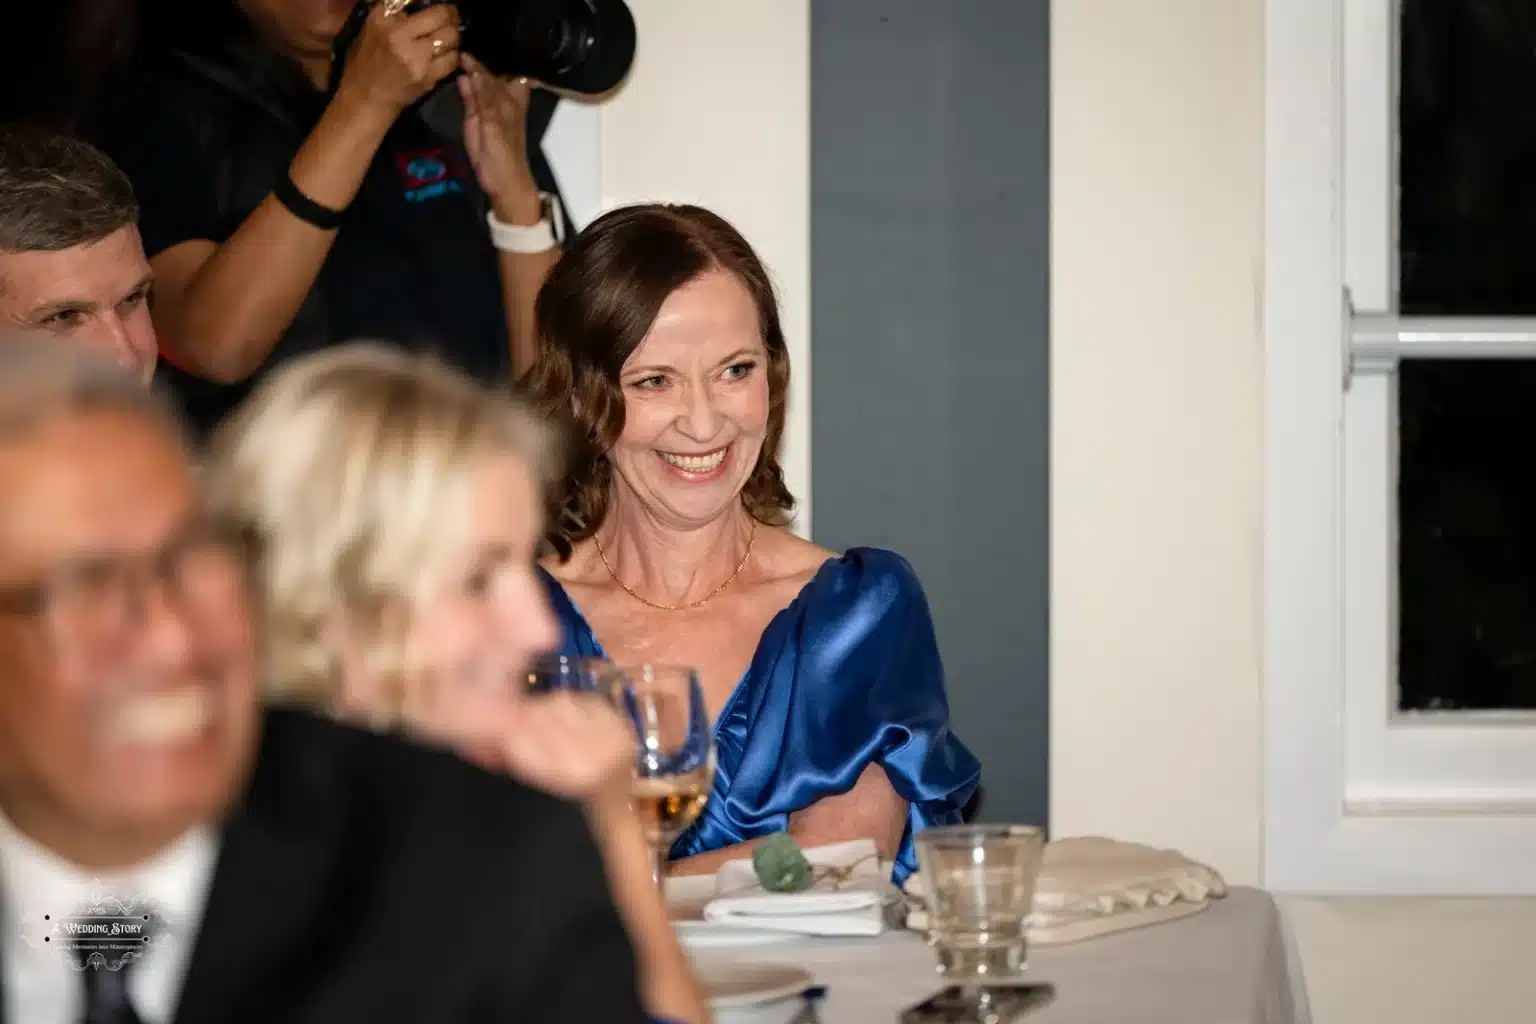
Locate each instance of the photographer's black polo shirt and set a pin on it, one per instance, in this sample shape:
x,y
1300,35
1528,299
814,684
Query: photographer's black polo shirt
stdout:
x,y
412,263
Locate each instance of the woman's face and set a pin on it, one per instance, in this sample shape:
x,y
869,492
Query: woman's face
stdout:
x,y
695,403
489,616
471,640
300,28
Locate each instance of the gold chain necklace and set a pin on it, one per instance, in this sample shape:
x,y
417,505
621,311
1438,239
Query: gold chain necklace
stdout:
x,y
751,539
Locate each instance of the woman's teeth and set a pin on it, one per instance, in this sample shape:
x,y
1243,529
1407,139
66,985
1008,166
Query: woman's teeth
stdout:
x,y
696,463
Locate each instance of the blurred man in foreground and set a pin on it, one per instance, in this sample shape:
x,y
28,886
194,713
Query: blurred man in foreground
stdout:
x,y
295,869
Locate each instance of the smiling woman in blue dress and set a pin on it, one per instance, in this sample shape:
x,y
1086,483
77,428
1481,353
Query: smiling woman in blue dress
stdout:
x,y
661,341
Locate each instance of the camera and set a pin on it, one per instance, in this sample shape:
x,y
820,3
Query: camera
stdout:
x,y
576,46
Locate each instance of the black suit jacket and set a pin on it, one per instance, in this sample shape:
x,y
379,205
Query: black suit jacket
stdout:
x,y
363,878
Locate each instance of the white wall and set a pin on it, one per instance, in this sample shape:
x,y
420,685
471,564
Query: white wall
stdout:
x,y
573,146
716,111
1157,250
1157,211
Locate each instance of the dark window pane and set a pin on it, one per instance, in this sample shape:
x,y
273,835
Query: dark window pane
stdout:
x,y
1467,529
1468,157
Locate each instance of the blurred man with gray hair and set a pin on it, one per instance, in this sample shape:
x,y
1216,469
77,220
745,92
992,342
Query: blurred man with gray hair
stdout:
x,y
71,262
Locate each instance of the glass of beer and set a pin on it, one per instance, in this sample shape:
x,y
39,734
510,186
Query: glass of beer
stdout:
x,y
674,750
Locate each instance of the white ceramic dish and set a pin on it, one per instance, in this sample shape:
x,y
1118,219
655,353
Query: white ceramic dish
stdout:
x,y
734,986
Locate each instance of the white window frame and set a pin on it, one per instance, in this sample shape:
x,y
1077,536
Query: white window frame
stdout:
x,y
1358,799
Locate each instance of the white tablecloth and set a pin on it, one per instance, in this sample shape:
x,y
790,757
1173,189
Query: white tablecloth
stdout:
x,y
1231,964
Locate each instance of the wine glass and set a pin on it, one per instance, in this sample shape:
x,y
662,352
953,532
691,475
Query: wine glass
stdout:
x,y
674,754
553,672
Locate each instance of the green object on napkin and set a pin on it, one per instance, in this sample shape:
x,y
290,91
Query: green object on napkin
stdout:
x,y
780,865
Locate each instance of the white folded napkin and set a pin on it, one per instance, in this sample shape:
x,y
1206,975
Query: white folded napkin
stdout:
x,y
847,895
1093,886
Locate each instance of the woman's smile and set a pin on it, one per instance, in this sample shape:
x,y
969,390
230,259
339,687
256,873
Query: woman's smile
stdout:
x,y
699,468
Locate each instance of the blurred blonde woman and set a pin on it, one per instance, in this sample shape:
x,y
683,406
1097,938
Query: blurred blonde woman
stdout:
x,y
397,510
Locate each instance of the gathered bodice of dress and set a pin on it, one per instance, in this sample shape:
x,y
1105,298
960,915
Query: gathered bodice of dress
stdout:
x,y
846,676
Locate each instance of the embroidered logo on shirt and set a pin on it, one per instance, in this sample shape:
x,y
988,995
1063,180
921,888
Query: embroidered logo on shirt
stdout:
x,y
428,173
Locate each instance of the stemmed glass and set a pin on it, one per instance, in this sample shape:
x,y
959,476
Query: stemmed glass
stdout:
x,y
559,672
674,754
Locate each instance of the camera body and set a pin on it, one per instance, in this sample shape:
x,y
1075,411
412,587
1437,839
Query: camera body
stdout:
x,y
575,46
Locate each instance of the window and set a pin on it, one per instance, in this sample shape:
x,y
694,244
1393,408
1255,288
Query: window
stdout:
x,y
1401,446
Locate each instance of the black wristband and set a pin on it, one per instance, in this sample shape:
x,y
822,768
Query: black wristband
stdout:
x,y
305,208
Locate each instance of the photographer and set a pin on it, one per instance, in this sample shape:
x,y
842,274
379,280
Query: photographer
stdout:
x,y
281,216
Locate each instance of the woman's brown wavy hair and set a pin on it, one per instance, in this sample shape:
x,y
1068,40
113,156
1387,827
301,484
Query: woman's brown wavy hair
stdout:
x,y
596,308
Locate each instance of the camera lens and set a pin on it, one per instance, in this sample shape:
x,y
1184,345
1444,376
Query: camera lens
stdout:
x,y
562,34
581,46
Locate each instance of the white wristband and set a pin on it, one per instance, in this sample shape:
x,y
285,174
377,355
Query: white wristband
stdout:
x,y
548,233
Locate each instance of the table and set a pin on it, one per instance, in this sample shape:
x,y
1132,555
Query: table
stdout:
x,y
1231,964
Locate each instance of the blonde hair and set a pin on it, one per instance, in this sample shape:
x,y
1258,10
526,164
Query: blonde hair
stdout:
x,y
352,469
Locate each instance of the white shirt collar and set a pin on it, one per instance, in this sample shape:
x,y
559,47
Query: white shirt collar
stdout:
x,y
31,875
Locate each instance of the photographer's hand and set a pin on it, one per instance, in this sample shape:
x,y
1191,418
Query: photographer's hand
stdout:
x,y
399,58
496,137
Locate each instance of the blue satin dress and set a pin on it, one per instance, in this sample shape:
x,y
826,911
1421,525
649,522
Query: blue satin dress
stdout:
x,y
846,676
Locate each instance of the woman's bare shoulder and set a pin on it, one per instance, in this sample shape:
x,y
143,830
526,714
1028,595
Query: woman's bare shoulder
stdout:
x,y
785,556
